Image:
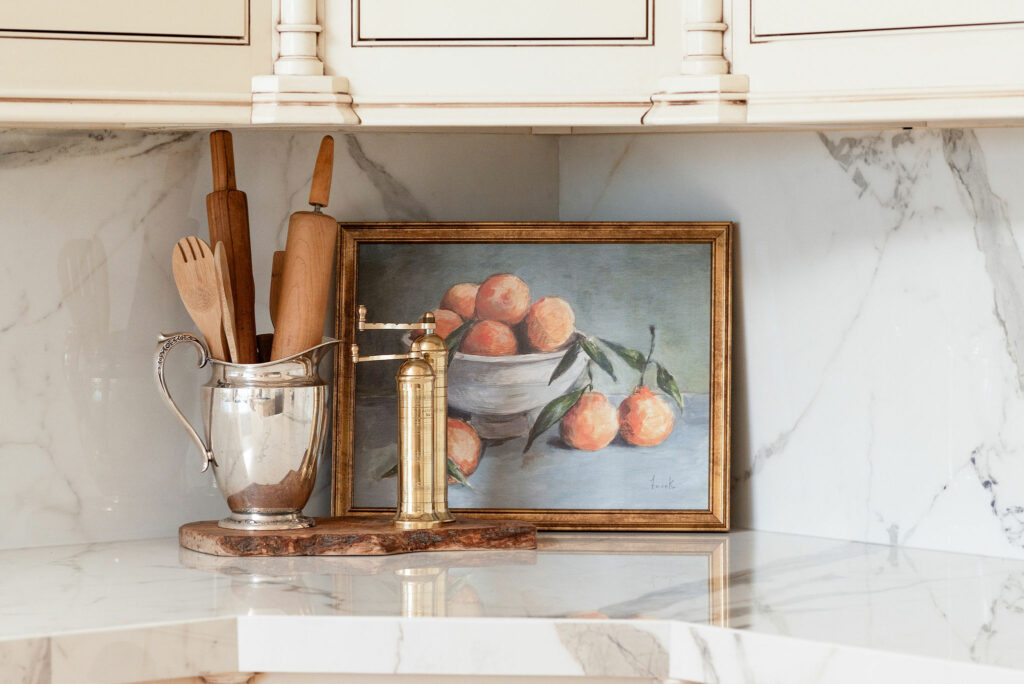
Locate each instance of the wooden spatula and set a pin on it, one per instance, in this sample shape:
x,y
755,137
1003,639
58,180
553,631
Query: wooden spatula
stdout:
x,y
195,274
228,212
306,276
220,257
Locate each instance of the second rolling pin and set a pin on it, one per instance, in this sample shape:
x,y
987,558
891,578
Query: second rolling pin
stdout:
x,y
306,275
228,212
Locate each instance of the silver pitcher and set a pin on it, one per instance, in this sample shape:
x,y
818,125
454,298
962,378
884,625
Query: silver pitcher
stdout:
x,y
265,427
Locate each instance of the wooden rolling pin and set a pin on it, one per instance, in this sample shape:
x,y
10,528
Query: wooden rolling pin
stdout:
x,y
306,275
228,214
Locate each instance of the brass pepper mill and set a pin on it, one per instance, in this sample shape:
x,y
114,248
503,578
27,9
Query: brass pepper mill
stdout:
x,y
435,352
422,423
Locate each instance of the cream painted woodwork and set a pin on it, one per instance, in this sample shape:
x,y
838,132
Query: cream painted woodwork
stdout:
x,y
545,65
704,92
791,17
131,62
503,62
299,91
495,21
214,20
878,61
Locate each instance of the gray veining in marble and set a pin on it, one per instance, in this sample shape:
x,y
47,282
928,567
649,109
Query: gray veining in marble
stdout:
x,y
879,319
399,203
1005,267
774,608
994,235
25,661
614,651
87,450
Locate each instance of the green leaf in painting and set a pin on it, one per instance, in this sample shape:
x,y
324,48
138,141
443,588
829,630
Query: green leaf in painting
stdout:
x,y
668,384
454,339
631,356
551,414
455,472
570,358
599,357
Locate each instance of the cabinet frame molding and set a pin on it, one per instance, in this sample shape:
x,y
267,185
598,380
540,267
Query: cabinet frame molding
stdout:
x,y
359,41
142,36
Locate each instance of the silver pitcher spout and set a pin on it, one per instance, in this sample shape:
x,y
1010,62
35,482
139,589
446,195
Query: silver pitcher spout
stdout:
x,y
264,426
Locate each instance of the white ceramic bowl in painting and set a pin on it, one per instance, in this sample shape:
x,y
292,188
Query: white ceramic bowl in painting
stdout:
x,y
504,394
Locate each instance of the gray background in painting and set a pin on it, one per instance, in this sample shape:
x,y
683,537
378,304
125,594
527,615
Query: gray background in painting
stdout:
x,y
616,291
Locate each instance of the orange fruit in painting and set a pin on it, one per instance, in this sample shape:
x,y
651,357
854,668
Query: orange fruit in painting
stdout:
x,y
489,338
549,324
645,419
461,299
447,321
591,424
464,447
503,297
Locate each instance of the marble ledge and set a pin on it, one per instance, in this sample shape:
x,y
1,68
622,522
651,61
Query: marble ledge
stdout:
x,y
744,608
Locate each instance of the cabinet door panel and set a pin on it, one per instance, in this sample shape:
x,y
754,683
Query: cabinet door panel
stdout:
x,y
793,17
504,20
180,18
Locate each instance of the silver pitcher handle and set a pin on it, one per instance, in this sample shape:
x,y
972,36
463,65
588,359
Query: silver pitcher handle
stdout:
x,y
165,345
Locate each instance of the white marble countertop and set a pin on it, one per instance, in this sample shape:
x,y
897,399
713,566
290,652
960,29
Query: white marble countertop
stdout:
x,y
747,607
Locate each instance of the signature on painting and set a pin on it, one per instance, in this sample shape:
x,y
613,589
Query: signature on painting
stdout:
x,y
662,484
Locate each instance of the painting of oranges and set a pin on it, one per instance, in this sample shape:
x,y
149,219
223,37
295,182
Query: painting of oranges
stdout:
x,y
579,375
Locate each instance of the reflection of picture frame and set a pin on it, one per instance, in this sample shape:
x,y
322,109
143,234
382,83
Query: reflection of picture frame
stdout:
x,y
712,549
607,409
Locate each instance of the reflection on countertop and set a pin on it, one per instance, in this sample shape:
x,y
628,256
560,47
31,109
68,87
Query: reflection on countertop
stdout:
x,y
773,593
570,575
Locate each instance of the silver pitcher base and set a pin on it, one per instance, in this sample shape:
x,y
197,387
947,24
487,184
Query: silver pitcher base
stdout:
x,y
266,521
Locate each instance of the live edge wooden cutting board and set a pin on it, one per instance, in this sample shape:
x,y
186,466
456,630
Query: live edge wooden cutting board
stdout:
x,y
357,537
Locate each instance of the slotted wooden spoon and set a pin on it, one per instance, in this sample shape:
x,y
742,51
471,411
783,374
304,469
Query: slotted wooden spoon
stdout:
x,y
195,274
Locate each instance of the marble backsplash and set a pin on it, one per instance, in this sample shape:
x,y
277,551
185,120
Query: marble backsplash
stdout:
x,y
88,451
879,310
878,321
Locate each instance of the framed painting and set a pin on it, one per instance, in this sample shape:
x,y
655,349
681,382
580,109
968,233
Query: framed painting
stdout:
x,y
589,379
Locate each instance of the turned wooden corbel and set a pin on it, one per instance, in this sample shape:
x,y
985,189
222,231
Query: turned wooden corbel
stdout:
x,y
298,92
704,92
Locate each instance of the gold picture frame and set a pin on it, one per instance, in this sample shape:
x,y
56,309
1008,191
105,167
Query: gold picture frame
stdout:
x,y
434,239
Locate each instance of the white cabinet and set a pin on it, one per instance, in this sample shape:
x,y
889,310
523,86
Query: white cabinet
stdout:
x,y
148,20
134,62
551,65
911,61
796,17
487,63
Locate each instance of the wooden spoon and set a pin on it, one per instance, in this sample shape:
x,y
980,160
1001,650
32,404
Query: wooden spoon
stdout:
x,y
195,274
227,302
